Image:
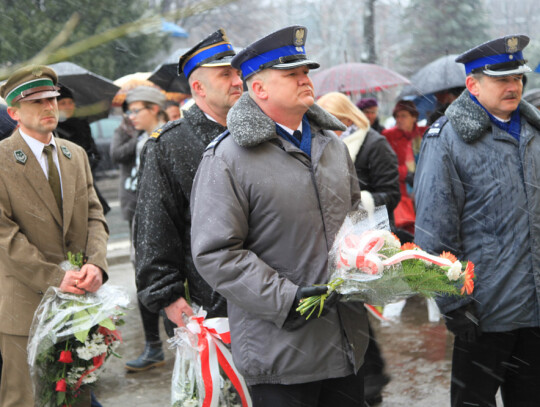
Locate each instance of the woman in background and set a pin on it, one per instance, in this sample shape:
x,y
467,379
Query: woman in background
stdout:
x,y
377,171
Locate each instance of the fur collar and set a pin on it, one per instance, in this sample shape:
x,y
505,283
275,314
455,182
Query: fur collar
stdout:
x,y
470,121
249,126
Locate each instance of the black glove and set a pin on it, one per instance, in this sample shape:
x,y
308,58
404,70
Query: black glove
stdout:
x,y
463,323
294,319
409,179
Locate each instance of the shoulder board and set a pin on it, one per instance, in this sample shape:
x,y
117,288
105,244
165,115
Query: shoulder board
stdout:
x,y
436,127
167,126
217,140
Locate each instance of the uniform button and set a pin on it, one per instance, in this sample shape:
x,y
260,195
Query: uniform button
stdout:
x,y
40,292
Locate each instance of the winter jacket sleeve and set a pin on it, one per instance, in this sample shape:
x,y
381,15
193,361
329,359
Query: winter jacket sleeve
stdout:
x,y
382,166
157,236
440,198
220,226
123,146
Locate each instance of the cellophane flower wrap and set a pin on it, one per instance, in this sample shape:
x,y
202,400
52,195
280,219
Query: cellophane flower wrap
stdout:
x,y
71,336
204,374
368,263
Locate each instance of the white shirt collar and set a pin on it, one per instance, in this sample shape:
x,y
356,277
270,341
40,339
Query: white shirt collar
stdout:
x,y
288,130
35,145
210,117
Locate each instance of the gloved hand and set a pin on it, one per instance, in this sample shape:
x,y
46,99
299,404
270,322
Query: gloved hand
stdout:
x,y
463,323
294,319
409,179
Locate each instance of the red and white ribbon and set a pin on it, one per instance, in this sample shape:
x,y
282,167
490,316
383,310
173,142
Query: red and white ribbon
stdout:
x,y
362,252
212,333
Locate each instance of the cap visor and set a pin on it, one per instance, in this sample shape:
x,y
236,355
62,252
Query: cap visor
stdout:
x,y
41,95
520,70
225,61
294,64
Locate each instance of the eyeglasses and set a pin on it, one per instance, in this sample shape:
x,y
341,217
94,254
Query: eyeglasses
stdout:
x,y
135,112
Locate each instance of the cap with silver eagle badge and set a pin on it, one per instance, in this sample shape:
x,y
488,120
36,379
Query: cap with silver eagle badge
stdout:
x,y
283,49
499,57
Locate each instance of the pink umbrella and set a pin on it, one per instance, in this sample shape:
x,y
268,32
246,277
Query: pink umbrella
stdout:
x,y
356,77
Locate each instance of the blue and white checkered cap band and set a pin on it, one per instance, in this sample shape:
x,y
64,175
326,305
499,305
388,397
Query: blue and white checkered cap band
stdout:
x,y
204,54
491,60
253,65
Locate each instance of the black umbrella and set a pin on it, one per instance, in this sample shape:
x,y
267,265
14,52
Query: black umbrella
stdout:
x,y
166,74
93,93
441,74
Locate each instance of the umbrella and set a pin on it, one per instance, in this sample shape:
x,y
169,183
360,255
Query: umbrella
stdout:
x,y
166,74
356,77
443,73
93,93
173,30
533,96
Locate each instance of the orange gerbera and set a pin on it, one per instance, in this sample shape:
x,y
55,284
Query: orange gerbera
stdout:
x,y
449,256
409,246
468,284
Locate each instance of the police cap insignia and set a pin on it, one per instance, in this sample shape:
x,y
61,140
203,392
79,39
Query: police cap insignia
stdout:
x,y
512,45
299,36
20,156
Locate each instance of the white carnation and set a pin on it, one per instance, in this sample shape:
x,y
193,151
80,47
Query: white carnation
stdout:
x,y
454,272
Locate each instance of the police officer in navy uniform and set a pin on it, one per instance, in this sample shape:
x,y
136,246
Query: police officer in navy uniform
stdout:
x,y
168,164
477,196
267,203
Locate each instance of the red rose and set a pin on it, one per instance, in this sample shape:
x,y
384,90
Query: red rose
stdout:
x,y
65,357
61,385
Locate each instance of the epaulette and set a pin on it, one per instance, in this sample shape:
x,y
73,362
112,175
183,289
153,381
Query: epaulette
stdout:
x,y
217,140
436,127
167,126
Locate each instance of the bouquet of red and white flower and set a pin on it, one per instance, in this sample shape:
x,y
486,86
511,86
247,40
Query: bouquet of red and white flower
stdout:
x,y
204,373
369,264
70,338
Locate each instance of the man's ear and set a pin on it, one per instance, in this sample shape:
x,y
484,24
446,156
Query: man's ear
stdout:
x,y
259,89
472,85
198,87
13,112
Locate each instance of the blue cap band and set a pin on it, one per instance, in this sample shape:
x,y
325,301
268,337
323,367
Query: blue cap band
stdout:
x,y
253,65
193,62
492,59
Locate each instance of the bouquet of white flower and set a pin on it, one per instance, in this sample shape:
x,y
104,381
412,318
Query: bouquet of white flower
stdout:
x,y
70,338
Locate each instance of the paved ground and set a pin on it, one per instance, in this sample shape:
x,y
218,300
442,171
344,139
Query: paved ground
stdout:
x,y
417,352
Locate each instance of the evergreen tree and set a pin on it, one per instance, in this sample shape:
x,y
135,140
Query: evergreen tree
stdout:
x,y
26,26
440,27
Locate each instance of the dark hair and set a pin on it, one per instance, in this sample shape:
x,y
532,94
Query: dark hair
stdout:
x,y
407,105
65,92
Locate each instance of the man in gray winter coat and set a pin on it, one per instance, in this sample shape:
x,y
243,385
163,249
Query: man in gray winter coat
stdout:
x,y
267,202
168,164
477,196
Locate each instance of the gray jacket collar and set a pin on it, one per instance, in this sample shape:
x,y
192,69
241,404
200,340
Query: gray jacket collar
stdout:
x,y
249,126
470,121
